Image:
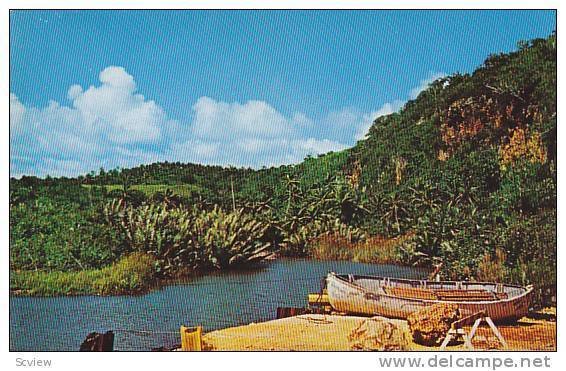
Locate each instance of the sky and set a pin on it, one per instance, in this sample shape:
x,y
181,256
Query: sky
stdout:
x,y
108,89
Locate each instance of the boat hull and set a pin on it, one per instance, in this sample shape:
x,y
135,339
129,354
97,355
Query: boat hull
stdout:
x,y
348,297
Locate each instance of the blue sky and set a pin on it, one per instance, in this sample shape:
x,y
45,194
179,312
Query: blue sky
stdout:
x,y
93,89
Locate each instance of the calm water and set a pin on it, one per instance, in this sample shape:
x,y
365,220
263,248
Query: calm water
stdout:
x,y
214,301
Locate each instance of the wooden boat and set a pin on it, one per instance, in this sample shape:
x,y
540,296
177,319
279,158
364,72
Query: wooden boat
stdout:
x,y
397,298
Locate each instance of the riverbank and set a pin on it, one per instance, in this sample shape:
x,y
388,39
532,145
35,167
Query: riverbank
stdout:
x,y
136,274
132,274
317,332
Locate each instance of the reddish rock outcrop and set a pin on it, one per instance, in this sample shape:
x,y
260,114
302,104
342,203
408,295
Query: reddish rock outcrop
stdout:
x,y
430,325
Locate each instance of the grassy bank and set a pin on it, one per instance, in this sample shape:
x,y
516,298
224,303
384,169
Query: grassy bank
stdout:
x,y
131,274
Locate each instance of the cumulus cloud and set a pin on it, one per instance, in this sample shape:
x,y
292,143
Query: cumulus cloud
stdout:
x,y
253,133
111,125
115,110
255,119
315,146
100,121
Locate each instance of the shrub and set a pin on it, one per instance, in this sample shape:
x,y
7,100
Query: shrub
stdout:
x,y
530,245
526,188
58,236
189,239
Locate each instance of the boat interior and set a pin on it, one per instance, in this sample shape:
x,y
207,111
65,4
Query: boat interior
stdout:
x,y
431,290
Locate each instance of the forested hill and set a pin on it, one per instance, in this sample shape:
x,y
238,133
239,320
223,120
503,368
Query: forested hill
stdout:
x,y
510,99
466,173
469,167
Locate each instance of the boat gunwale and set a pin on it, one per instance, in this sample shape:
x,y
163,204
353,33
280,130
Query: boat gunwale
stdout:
x,y
527,290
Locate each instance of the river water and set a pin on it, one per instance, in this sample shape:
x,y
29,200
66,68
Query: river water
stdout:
x,y
148,321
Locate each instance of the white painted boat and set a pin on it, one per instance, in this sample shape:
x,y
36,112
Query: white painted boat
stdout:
x,y
397,298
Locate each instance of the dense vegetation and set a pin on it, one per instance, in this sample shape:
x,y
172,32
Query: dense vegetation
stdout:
x,y
463,176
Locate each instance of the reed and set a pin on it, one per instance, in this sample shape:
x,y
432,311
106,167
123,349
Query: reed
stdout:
x,y
376,249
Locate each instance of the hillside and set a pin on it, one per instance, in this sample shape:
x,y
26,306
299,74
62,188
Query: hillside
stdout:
x,y
463,175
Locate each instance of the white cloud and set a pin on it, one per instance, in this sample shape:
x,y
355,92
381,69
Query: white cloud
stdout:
x,y
301,120
253,119
341,124
117,77
250,152
114,109
74,92
315,146
350,124
368,119
414,93
391,107
111,124
253,133
17,111
101,120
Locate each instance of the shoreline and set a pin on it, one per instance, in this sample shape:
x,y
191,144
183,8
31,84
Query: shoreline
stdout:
x,y
154,283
